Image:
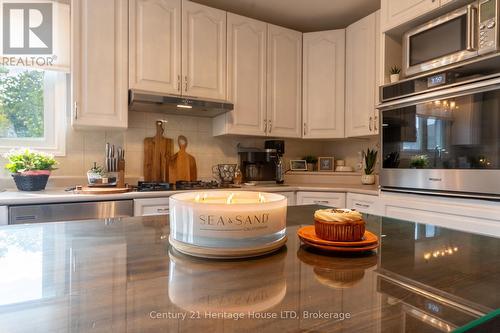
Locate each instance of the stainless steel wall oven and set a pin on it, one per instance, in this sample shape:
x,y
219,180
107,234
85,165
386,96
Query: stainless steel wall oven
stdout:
x,y
445,140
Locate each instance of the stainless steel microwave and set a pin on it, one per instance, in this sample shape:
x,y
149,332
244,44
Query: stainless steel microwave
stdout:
x,y
465,33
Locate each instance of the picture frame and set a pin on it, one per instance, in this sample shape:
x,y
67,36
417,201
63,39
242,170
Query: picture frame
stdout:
x,y
326,164
298,165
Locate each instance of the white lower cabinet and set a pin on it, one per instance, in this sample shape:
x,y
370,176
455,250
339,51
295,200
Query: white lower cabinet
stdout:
x,y
369,204
470,215
151,207
332,199
290,196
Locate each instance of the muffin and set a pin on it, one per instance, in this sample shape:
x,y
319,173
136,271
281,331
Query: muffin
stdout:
x,y
344,225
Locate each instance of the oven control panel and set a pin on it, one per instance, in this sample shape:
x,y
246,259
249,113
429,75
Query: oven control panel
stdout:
x,y
488,26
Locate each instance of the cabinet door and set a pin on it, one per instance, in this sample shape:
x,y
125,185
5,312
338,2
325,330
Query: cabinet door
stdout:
x,y
284,84
397,12
361,77
203,51
155,45
332,199
323,84
99,63
290,196
246,68
369,204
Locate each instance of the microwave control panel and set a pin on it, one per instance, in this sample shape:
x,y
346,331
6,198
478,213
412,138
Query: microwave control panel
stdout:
x,y
488,26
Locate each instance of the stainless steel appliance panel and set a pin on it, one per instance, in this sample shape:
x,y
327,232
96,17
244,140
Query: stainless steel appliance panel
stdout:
x,y
465,33
70,211
447,143
448,39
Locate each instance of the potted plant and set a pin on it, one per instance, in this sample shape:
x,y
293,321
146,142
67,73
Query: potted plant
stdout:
x,y
311,162
30,169
419,161
394,73
96,174
370,158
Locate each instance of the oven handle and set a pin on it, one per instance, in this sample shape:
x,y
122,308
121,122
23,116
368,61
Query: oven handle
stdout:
x,y
471,28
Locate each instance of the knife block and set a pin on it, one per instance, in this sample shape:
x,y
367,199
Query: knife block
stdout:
x,y
120,181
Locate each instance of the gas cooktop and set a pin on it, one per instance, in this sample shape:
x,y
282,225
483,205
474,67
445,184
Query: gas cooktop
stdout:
x,y
179,185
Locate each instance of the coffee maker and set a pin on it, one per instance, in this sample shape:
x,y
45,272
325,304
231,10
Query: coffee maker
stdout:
x,y
279,147
257,165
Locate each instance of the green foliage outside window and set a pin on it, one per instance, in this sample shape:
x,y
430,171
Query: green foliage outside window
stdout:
x,y
21,103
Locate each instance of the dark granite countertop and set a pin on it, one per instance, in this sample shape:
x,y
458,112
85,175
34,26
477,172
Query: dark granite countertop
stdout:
x,y
120,275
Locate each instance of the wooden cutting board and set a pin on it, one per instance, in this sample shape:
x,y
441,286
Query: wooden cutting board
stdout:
x,y
101,190
157,153
182,166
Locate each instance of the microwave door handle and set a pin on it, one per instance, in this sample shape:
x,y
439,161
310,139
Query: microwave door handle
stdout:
x,y
471,28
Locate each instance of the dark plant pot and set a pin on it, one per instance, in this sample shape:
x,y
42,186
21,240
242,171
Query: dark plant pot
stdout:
x,y
30,182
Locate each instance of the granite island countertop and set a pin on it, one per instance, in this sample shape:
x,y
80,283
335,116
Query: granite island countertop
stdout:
x,y
121,275
14,197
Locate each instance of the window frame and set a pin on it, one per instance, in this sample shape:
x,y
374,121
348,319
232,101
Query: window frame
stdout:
x,y
55,121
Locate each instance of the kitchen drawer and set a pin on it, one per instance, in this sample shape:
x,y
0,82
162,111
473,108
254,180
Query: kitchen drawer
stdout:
x,y
332,199
150,207
290,197
369,204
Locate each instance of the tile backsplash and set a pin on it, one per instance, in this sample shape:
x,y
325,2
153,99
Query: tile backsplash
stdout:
x,y
85,147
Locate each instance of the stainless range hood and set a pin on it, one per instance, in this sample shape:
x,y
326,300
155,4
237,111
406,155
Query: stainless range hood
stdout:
x,y
181,105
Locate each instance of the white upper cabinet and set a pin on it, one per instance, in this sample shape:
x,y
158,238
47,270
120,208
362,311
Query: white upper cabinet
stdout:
x,y
246,69
155,45
323,84
361,77
284,83
396,12
203,51
99,63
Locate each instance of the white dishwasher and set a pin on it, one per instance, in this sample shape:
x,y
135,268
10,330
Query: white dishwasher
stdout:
x,y
151,206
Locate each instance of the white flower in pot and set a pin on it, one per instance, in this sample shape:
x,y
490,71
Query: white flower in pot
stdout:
x,y
30,169
395,71
370,158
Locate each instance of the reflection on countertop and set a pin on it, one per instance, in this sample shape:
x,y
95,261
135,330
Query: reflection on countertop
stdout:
x,y
121,275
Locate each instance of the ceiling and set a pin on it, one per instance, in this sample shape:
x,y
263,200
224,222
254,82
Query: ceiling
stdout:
x,y
302,15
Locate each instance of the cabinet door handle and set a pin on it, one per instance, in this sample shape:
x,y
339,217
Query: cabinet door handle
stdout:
x,y
75,109
317,202
185,83
265,125
305,130
270,126
375,120
162,210
179,82
370,124
361,205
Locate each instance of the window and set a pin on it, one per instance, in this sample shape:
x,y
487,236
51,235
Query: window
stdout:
x,y
32,109
429,135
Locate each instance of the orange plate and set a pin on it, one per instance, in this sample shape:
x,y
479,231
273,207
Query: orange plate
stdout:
x,y
341,248
308,234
